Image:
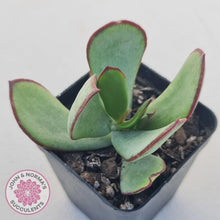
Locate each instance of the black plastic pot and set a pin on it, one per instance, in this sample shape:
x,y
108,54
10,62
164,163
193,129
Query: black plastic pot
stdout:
x,y
88,199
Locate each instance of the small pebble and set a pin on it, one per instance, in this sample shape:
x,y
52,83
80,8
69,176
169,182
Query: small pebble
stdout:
x,y
115,187
96,184
182,156
119,169
174,163
200,139
74,161
147,89
180,136
101,193
139,101
105,180
105,152
170,153
93,162
90,177
109,191
168,142
191,139
141,97
137,92
173,170
127,206
109,168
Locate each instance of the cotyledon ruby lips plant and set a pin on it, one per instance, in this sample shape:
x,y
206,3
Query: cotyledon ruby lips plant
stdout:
x,y
98,115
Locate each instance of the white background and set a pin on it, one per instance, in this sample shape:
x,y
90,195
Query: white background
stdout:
x,y
45,40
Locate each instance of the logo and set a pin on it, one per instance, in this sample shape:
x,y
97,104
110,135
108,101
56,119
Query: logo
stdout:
x,y
27,192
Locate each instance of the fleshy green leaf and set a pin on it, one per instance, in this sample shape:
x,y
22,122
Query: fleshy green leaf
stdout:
x,y
133,121
118,44
133,145
87,117
112,84
180,98
138,175
44,119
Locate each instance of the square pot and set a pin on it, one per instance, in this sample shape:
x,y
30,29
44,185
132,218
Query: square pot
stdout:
x,y
85,197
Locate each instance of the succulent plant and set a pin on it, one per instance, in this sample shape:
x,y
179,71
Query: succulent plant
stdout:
x,y
98,115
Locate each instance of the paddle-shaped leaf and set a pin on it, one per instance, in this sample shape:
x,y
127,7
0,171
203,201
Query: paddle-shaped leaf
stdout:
x,y
181,96
87,117
133,145
44,119
133,121
112,84
118,44
138,175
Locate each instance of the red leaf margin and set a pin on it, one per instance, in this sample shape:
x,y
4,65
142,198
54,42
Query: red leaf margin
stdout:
x,y
11,86
162,135
94,92
109,25
150,181
202,54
